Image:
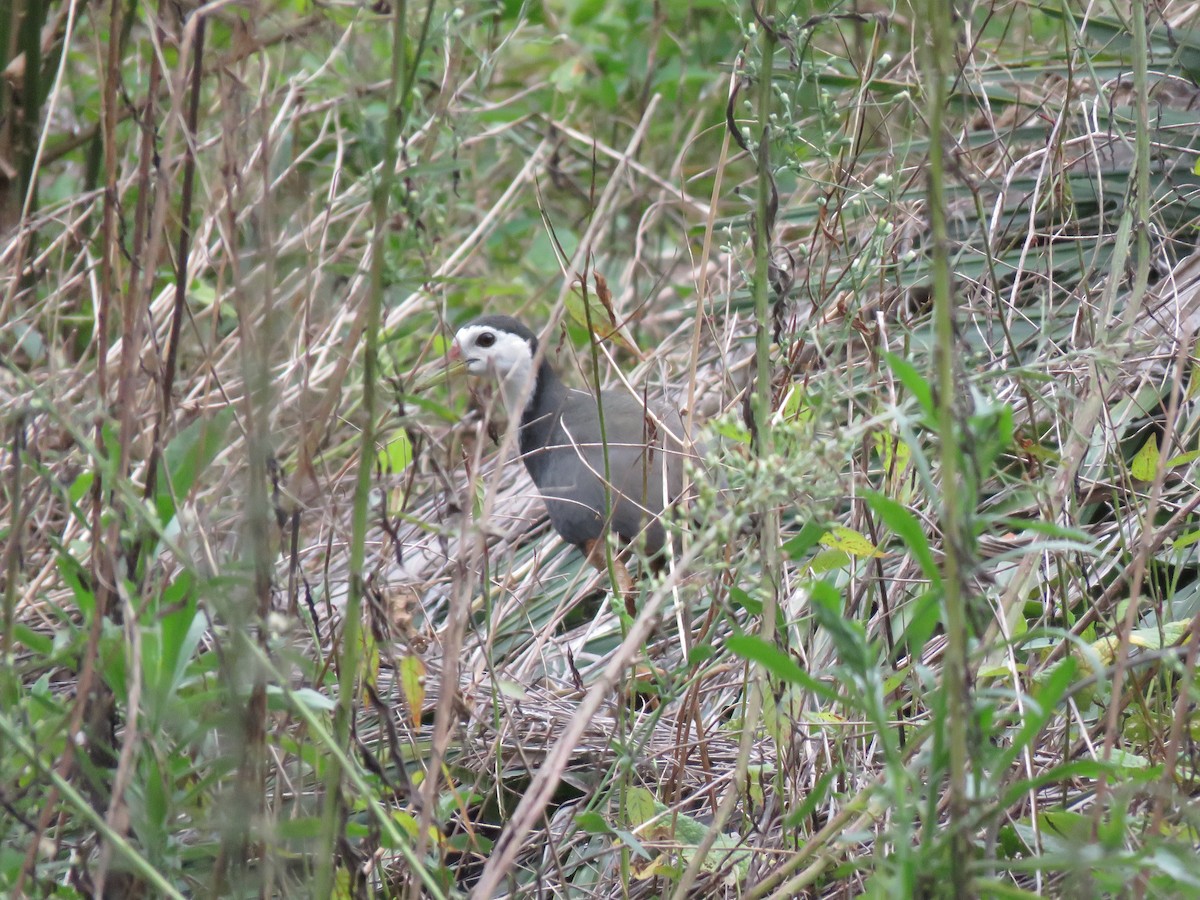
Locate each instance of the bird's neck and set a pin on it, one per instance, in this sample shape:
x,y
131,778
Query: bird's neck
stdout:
x,y
541,409
518,388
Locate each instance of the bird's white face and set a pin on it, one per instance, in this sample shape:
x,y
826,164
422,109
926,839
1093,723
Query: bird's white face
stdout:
x,y
489,351
505,356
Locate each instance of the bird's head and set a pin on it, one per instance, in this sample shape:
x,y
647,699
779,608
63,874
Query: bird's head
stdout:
x,y
502,348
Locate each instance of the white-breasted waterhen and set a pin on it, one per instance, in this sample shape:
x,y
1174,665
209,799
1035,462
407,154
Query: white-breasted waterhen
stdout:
x,y
564,446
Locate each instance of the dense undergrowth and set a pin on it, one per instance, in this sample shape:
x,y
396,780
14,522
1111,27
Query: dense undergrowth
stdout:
x,y
283,616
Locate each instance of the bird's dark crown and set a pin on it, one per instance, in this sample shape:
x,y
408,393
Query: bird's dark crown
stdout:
x,y
509,324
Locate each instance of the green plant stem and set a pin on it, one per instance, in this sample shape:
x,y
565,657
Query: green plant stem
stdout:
x,y
939,50
623,604
764,446
824,847
769,536
12,557
79,804
1141,238
349,651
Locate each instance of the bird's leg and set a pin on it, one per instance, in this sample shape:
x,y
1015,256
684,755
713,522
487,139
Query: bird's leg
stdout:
x,y
593,550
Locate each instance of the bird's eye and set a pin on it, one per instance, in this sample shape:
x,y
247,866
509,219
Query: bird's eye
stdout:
x,y
485,340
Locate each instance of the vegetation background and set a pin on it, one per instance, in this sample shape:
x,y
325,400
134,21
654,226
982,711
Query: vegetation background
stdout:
x,y
281,619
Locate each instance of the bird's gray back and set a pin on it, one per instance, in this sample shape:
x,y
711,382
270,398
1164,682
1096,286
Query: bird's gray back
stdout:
x,y
644,465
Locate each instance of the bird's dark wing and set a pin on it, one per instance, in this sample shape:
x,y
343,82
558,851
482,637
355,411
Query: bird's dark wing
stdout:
x,y
644,464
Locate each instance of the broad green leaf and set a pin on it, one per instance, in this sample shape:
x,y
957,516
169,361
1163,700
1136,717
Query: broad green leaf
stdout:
x,y
1050,529
731,428
1152,638
774,660
848,636
630,840
343,883
279,698
396,454
1183,459
799,544
926,611
828,561
187,456
747,602
908,375
1186,540
641,806
592,823
795,407
905,525
818,795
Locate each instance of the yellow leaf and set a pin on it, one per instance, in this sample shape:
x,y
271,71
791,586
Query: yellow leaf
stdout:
x,y
1105,649
1145,464
412,683
849,541
641,869
370,658
411,827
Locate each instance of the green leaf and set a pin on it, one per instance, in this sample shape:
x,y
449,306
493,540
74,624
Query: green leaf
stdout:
x,y
1049,529
39,643
1145,463
629,839
182,626
905,525
1183,459
306,697
302,828
700,654
828,561
916,383
795,406
731,428
922,621
1186,540
640,806
586,10
186,457
743,599
799,544
754,649
894,454
443,412
1051,686
819,794
777,662
396,454
848,636
592,823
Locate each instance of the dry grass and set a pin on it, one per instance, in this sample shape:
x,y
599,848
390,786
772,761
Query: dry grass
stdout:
x,y
184,407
